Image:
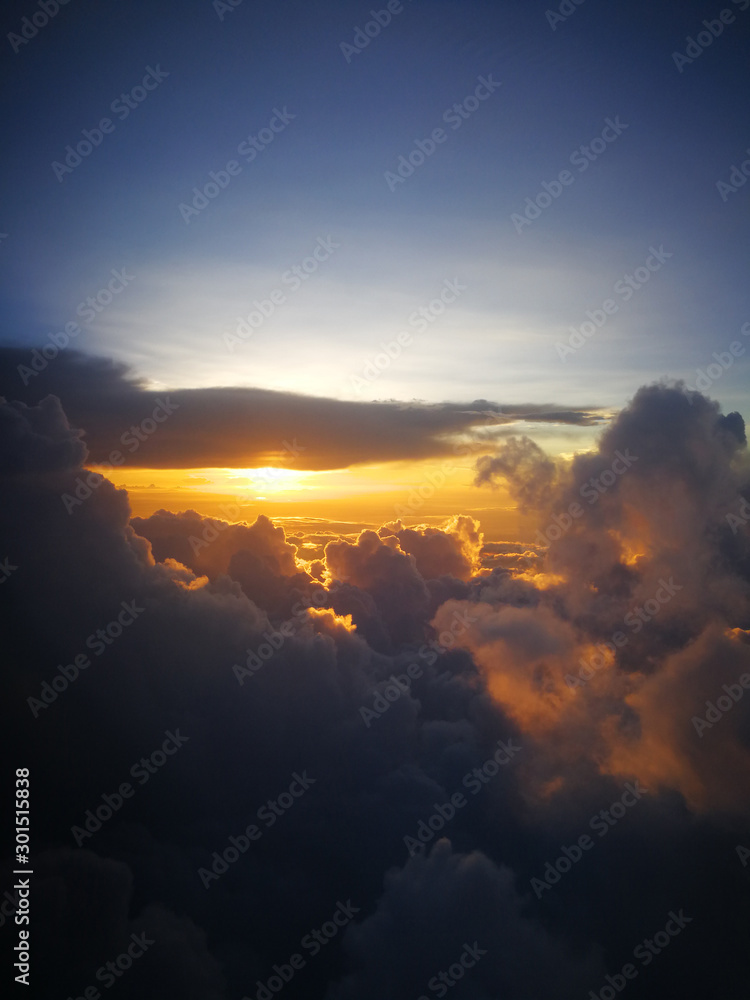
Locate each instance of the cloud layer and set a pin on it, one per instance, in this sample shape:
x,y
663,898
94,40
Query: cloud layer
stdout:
x,y
248,428
388,672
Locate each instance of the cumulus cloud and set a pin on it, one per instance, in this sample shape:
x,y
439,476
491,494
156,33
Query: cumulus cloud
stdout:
x,y
436,906
450,550
389,575
641,568
385,672
38,439
525,468
258,556
97,922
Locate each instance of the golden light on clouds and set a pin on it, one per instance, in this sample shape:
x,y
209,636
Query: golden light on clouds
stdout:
x,y
367,494
327,620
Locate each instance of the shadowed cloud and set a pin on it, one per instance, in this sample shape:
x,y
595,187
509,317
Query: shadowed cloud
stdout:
x,y
239,427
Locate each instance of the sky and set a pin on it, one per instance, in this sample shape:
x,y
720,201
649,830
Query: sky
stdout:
x,y
374,492
340,121
322,177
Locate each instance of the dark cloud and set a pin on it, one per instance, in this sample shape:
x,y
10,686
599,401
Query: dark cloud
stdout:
x,y
388,671
451,550
257,556
525,468
639,547
247,428
97,922
38,439
436,906
382,569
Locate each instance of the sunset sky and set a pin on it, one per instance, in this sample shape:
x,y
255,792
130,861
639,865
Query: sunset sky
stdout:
x,y
346,341
385,250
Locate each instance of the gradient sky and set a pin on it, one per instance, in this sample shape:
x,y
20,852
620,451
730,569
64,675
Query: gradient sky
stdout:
x,y
485,596
323,175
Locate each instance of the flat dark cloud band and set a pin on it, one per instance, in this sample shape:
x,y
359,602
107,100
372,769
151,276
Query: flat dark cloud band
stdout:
x,y
238,427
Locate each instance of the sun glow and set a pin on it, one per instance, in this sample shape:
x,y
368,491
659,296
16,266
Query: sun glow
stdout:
x,y
269,480
366,495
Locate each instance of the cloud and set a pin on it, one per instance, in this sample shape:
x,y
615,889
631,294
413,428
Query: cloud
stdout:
x,y
257,556
518,556
97,921
524,466
431,910
248,428
391,713
38,438
641,557
389,575
450,550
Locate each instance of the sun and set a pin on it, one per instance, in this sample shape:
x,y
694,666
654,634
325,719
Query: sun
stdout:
x,y
269,481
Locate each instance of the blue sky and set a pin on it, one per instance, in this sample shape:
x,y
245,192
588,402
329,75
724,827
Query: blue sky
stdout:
x,y
323,178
